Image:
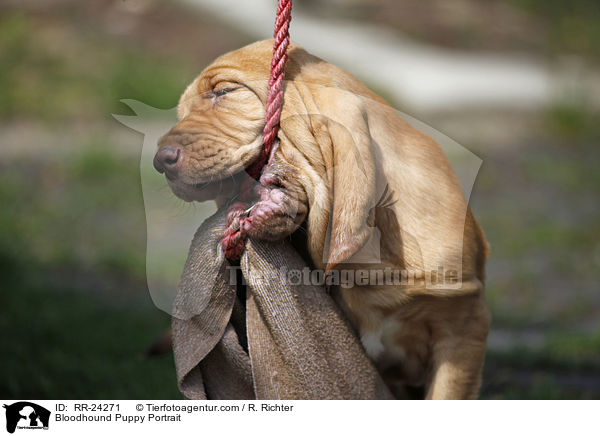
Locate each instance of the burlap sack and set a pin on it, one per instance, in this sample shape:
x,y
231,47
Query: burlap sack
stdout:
x,y
280,341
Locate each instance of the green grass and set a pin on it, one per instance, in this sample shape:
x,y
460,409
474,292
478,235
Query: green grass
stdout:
x,y
539,386
66,343
573,25
566,366
75,311
85,211
84,79
561,350
574,121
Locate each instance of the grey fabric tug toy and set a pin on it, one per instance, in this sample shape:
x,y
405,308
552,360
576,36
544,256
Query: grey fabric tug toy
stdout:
x,y
283,342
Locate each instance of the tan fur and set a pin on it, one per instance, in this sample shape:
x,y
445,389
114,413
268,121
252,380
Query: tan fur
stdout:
x,y
340,147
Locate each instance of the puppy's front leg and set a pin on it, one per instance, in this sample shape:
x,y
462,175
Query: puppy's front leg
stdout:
x,y
457,370
279,211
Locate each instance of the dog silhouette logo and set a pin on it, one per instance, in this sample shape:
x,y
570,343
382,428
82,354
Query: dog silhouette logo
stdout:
x,y
26,415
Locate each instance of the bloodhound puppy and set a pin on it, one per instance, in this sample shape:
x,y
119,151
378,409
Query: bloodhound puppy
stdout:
x,y
377,201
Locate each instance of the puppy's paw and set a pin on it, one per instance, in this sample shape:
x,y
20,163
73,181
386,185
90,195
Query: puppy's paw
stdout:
x,y
277,214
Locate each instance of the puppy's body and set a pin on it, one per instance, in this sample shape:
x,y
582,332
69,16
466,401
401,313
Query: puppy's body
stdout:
x,y
375,193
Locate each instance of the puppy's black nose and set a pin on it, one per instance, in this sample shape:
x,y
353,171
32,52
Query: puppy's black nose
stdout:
x,y
166,160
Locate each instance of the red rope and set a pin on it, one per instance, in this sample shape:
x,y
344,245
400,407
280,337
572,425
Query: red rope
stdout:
x,y
275,97
233,242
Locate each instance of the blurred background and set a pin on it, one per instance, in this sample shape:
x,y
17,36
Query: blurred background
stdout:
x,y
514,81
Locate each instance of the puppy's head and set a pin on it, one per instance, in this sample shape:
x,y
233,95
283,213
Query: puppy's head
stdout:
x,y
323,128
219,133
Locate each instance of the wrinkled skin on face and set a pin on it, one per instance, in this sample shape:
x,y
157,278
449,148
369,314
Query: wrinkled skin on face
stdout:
x,y
219,134
204,156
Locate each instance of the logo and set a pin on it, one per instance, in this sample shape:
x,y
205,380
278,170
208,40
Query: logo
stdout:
x,y
26,415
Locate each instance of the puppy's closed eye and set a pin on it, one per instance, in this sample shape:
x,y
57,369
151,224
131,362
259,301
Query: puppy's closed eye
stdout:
x,y
223,91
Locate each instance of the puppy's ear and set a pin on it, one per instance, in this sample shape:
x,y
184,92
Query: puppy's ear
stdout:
x,y
353,178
